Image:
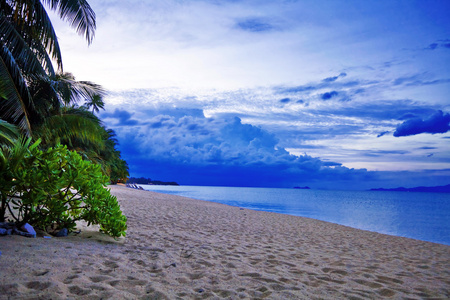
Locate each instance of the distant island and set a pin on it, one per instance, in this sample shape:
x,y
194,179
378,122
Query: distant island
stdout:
x,y
143,180
302,187
426,189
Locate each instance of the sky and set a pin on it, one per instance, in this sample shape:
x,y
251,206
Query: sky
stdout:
x,y
282,93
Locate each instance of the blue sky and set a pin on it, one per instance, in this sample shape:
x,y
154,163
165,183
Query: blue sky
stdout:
x,y
329,94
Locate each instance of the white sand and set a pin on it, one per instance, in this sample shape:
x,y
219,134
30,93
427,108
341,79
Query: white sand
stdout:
x,y
179,248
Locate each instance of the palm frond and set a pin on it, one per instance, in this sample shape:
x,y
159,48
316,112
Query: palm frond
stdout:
x,y
45,99
112,136
71,130
78,13
48,37
17,152
72,91
83,113
8,133
23,52
14,92
44,59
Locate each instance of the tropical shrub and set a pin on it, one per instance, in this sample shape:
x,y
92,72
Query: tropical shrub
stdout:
x,y
55,188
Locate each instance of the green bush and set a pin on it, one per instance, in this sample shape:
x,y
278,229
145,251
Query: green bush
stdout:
x,y
56,187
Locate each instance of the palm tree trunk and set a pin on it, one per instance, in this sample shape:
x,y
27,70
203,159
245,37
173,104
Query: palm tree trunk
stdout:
x,y
4,198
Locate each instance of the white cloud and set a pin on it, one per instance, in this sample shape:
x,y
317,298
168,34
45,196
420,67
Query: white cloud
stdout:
x,y
142,44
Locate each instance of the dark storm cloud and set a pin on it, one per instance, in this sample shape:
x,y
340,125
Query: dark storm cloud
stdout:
x,y
199,150
329,95
439,44
123,117
436,123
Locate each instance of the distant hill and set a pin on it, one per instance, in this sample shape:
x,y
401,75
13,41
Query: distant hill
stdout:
x,y
143,180
427,189
302,187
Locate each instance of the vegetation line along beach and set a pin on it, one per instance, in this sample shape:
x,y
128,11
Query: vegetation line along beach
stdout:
x,y
56,155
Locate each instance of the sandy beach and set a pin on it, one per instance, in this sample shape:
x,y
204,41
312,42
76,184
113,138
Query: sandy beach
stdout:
x,y
180,248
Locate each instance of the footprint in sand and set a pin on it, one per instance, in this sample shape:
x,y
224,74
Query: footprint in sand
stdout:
x,y
388,280
155,294
140,262
260,293
329,279
69,279
255,261
276,262
154,268
127,284
38,285
223,293
284,280
194,276
423,293
99,278
9,289
75,289
253,275
111,264
387,293
335,271
370,284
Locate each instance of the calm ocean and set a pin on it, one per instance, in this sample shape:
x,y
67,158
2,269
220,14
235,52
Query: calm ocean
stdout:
x,y
422,216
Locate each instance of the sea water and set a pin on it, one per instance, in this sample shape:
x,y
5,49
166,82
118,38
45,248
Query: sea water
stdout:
x,y
422,216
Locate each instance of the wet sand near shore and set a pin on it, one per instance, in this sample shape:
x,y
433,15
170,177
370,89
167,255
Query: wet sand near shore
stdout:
x,y
180,248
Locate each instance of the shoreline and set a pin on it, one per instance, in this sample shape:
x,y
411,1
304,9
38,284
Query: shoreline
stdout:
x,y
359,224
178,247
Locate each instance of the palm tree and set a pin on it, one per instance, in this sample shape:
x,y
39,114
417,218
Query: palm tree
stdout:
x,y
115,166
75,127
53,94
57,117
28,48
96,102
41,101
